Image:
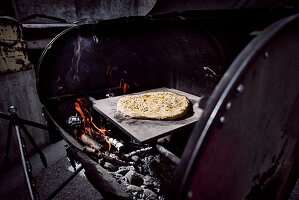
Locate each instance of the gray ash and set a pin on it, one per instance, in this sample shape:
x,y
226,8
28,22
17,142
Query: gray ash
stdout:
x,y
142,180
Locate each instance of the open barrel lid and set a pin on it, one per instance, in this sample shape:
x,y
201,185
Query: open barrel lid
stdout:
x,y
245,146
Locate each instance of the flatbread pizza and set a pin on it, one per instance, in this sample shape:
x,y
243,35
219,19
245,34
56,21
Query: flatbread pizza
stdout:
x,y
162,105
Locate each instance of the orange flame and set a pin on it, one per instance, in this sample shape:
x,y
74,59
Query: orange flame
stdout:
x,y
102,131
85,119
124,85
88,122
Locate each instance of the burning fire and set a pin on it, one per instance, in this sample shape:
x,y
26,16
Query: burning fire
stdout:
x,y
124,85
89,125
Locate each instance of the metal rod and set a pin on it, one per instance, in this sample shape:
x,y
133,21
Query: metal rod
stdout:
x,y
41,154
90,93
168,154
26,122
41,26
24,162
56,191
8,139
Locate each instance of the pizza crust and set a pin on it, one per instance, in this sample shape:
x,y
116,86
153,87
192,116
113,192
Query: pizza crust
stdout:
x,y
154,105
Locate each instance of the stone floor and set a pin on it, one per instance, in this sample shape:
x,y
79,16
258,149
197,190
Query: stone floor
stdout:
x,y
12,184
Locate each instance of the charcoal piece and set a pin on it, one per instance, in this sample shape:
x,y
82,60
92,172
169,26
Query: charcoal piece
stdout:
x,y
101,161
163,168
123,170
148,194
135,158
109,167
133,188
148,181
134,178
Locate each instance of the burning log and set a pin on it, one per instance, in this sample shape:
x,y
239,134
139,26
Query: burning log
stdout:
x,y
84,124
114,142
137,152
86,139
106,156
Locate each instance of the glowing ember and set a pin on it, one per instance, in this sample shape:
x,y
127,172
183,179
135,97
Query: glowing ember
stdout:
x,y
89,125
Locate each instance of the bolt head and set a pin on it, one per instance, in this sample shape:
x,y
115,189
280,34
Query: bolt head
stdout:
x,y
222,119
190,194
266,54
240,88
228,105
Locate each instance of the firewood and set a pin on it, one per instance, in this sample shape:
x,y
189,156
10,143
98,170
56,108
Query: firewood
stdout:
x,y
106,156
114,142
137,152
86,139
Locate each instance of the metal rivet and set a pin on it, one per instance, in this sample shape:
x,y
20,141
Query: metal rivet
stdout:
x,y
241,88
266,54
228,105
222,119
190,194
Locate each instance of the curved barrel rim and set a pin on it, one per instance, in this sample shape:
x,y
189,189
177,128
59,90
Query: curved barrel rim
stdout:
x,y
216,104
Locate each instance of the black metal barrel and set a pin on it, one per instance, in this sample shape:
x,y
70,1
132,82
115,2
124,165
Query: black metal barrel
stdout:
x,y
193,51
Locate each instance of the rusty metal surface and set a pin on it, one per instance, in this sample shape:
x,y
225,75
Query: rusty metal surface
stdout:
x,y
144,130
13,55
18,89
72,11
246,144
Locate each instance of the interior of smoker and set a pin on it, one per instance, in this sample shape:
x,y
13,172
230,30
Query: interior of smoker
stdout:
x,y
189,52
